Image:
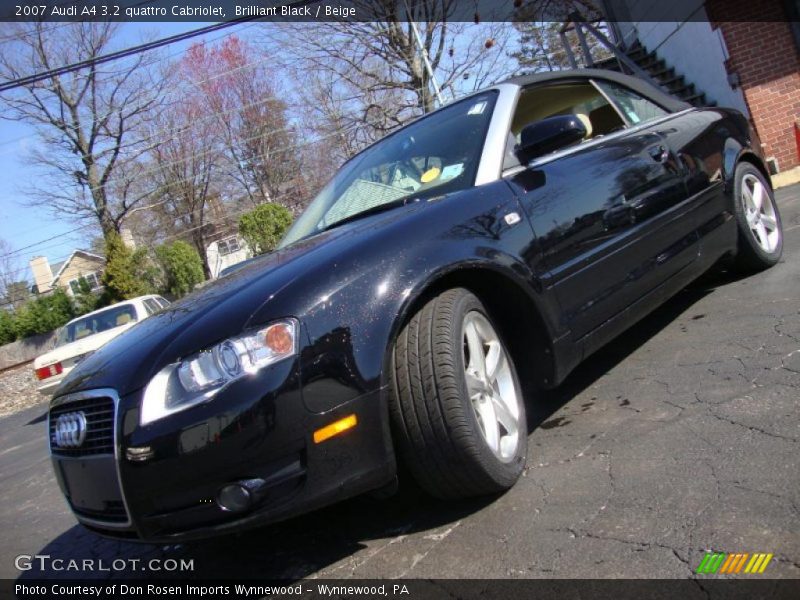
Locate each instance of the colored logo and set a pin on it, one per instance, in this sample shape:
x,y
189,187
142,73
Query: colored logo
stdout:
x,y
724,563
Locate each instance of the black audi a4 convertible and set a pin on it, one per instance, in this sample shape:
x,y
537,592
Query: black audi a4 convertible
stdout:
x,y
500,239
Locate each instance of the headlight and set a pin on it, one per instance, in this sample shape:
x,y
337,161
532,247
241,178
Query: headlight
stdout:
x,y
199,377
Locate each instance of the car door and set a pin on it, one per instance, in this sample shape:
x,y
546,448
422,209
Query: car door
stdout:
x,y
597,209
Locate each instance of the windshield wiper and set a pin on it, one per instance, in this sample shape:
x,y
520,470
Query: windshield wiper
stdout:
x,y
370,211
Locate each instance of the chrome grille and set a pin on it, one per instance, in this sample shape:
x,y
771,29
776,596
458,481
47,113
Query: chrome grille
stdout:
x,y
99,413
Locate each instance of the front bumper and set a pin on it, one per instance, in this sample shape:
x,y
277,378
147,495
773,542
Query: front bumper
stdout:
x,y
258,428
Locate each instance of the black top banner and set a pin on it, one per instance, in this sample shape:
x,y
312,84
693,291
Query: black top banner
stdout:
x,y
374,10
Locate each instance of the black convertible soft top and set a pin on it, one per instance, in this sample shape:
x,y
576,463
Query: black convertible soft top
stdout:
x,y
640,86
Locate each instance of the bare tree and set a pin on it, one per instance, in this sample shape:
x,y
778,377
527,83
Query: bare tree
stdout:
x,y
540,45
13,286
182,173
235,84
368,78
87,120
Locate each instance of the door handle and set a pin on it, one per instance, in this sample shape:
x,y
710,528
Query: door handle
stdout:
x,y
659,153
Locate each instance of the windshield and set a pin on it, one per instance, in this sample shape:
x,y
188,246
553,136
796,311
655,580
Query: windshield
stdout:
x,y
91,324
435,155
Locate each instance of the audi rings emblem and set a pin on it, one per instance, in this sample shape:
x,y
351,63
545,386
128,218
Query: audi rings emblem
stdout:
x,y
70,430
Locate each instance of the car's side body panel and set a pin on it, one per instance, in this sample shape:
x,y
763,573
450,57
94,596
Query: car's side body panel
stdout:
x,y
599,215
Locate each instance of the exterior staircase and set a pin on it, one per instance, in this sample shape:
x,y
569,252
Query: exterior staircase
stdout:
x,y
669,80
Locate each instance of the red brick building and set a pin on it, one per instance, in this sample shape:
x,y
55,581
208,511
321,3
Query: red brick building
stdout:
x,y
763,50
739,53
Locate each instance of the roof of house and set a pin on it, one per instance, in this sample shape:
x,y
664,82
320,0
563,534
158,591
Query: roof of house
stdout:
x,y
63,265
56,267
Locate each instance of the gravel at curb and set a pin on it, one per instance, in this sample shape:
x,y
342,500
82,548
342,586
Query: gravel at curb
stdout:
x,y
18,390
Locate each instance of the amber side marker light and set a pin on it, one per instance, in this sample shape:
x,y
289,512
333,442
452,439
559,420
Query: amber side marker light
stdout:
x,y
335,428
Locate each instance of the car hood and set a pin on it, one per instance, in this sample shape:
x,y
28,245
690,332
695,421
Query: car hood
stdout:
x,y
79,347
218,310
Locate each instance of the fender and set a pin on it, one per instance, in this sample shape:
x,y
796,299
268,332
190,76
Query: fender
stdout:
x,y
746,146
354,300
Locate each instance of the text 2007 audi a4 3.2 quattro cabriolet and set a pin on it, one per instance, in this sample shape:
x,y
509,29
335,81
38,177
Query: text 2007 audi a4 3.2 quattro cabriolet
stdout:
x,y
510,233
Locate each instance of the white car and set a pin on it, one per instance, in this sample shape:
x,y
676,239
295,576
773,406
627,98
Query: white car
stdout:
x,y
82,336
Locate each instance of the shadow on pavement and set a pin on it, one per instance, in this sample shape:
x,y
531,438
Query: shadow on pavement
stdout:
x,y
288,550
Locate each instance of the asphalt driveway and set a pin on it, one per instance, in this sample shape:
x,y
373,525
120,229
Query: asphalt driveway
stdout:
x,y
680,438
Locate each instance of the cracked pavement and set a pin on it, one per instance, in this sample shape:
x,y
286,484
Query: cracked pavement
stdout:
x,y
679,438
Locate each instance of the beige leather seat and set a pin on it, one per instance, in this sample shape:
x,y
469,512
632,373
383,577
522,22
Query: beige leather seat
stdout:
x,y
606,120
123,319
587,123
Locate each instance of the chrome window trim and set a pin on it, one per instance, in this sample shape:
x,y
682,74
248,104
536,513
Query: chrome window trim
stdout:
x,y
595,142
491,164
85,395
617,106
613,103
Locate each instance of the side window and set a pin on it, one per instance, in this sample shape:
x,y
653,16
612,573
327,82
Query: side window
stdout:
x,y
162,301
636,108
581,99
151,306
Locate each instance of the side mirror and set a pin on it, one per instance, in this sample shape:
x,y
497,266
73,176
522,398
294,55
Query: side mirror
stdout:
x,y
548,135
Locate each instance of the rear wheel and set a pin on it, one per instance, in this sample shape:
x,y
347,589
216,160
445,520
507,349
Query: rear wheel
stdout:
x,y
760,232
457,403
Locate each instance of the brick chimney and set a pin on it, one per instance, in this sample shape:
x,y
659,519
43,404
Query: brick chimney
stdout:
x,y
42,274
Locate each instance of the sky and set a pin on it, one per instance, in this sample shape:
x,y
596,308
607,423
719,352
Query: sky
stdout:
x,y
22,225
36,231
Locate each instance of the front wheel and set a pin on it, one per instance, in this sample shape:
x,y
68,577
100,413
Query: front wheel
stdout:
x,y
760,233
457,406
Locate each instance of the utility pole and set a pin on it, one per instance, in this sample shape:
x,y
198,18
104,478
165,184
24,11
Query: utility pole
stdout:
x,y
424,54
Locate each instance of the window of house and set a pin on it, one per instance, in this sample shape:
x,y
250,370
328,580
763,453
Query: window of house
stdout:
x,y
93,279
637,109
228,246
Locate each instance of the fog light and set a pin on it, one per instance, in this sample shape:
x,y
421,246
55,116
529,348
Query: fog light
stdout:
x,y
240,496
234,498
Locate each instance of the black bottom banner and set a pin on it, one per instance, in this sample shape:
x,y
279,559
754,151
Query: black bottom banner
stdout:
x,y
411,589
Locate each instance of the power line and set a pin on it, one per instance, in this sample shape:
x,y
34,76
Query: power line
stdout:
x,y
19,34
195,155
30,79
228,217
192,156
200,82
210,40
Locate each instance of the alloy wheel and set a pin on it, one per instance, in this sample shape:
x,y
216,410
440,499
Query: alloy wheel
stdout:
x,y
492,392
759,211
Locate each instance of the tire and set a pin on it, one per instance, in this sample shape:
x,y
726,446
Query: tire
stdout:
x,y
760,243
441,437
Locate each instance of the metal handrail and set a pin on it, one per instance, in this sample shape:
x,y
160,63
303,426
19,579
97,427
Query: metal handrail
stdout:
x,y
581,27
